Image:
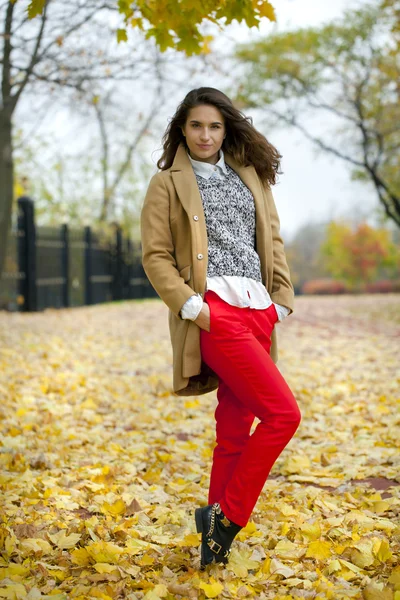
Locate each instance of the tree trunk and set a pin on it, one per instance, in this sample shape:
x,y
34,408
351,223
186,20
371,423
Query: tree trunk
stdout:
x,y
6,183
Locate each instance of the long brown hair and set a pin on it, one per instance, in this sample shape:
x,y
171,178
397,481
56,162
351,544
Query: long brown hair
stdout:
x,y
247,145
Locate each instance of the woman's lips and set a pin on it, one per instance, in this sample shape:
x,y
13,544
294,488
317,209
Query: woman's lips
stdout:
x,y
204,146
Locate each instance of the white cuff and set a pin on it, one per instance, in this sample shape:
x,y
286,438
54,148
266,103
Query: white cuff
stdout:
x,y
282,311
192,307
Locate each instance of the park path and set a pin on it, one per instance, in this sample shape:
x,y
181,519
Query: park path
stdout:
x,y
101,467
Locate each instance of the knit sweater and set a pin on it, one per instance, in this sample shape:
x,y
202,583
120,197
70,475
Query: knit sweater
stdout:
x,y
231,224
229,210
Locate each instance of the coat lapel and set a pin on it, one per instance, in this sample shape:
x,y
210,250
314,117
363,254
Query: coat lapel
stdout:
x,y
188,192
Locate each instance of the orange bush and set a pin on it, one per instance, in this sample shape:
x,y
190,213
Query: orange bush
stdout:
x,y
323,286
384,286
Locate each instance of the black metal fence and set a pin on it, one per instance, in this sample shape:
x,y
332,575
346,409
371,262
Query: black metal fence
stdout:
x,y
60,267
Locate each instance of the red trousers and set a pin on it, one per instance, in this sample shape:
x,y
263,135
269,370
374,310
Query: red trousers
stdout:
x,y
237,348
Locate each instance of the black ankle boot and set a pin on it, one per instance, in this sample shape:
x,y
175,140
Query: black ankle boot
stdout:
x,y
218,533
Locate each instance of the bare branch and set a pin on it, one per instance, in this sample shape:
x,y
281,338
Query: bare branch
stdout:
x,y
34,58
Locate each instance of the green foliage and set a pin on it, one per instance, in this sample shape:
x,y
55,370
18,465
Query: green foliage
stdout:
x,y
177,25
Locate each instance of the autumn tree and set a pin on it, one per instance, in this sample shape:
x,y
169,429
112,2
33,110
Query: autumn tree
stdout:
x,y
356,256
47,46
346,72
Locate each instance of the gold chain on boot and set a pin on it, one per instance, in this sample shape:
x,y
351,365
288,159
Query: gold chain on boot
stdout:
x,y
215,508
215,547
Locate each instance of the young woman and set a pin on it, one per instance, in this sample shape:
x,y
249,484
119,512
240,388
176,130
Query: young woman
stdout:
x,y
212,250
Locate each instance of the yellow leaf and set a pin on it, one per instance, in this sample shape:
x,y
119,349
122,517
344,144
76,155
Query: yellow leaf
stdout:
x,y
59,575
105,568
265,567
145,560
350,566
14,570
192,539
395,578
30,545
64,541
135,546
311,530
35,8
385,525
376,591
296,464
362,556
285,528
14,591
240,562
161,590
122,35
294,581
381,506
115,509
382,550
334,566
10,543
104,552
319,550
80,557
249,531
287,549
267,10
212,590
278,568
161,539
286,509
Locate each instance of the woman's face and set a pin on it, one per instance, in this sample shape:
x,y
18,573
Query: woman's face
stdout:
x,y
204,131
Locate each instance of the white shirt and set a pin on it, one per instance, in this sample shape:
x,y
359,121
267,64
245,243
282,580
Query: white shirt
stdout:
x,y
235,290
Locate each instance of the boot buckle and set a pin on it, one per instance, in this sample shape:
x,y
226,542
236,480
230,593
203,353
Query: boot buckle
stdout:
x,y
213,544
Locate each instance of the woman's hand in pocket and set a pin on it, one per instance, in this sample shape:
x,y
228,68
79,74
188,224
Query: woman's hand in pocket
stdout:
x,y
203,319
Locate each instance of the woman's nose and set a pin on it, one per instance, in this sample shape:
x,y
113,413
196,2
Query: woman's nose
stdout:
x,y
205,134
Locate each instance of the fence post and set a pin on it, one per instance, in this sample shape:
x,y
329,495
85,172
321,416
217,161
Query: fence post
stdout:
x,y
118,266
65,263
27,252
88,265
129,274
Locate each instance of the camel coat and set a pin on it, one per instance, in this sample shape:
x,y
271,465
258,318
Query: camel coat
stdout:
x,y
174,257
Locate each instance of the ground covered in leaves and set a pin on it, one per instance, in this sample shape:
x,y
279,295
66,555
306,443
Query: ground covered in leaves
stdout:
x,y
102,468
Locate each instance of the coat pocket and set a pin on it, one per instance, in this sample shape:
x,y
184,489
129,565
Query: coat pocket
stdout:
x,y
185,272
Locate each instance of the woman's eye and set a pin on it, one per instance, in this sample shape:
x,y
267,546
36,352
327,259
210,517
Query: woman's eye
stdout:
x,y
213,126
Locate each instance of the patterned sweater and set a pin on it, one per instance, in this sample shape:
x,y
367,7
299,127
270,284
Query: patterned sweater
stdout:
x,y
238,290
231,224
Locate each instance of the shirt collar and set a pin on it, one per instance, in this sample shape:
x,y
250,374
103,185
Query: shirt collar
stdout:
x,y
206,169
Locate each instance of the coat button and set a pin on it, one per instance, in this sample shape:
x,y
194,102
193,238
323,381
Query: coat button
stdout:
x,y
199,256
195,217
